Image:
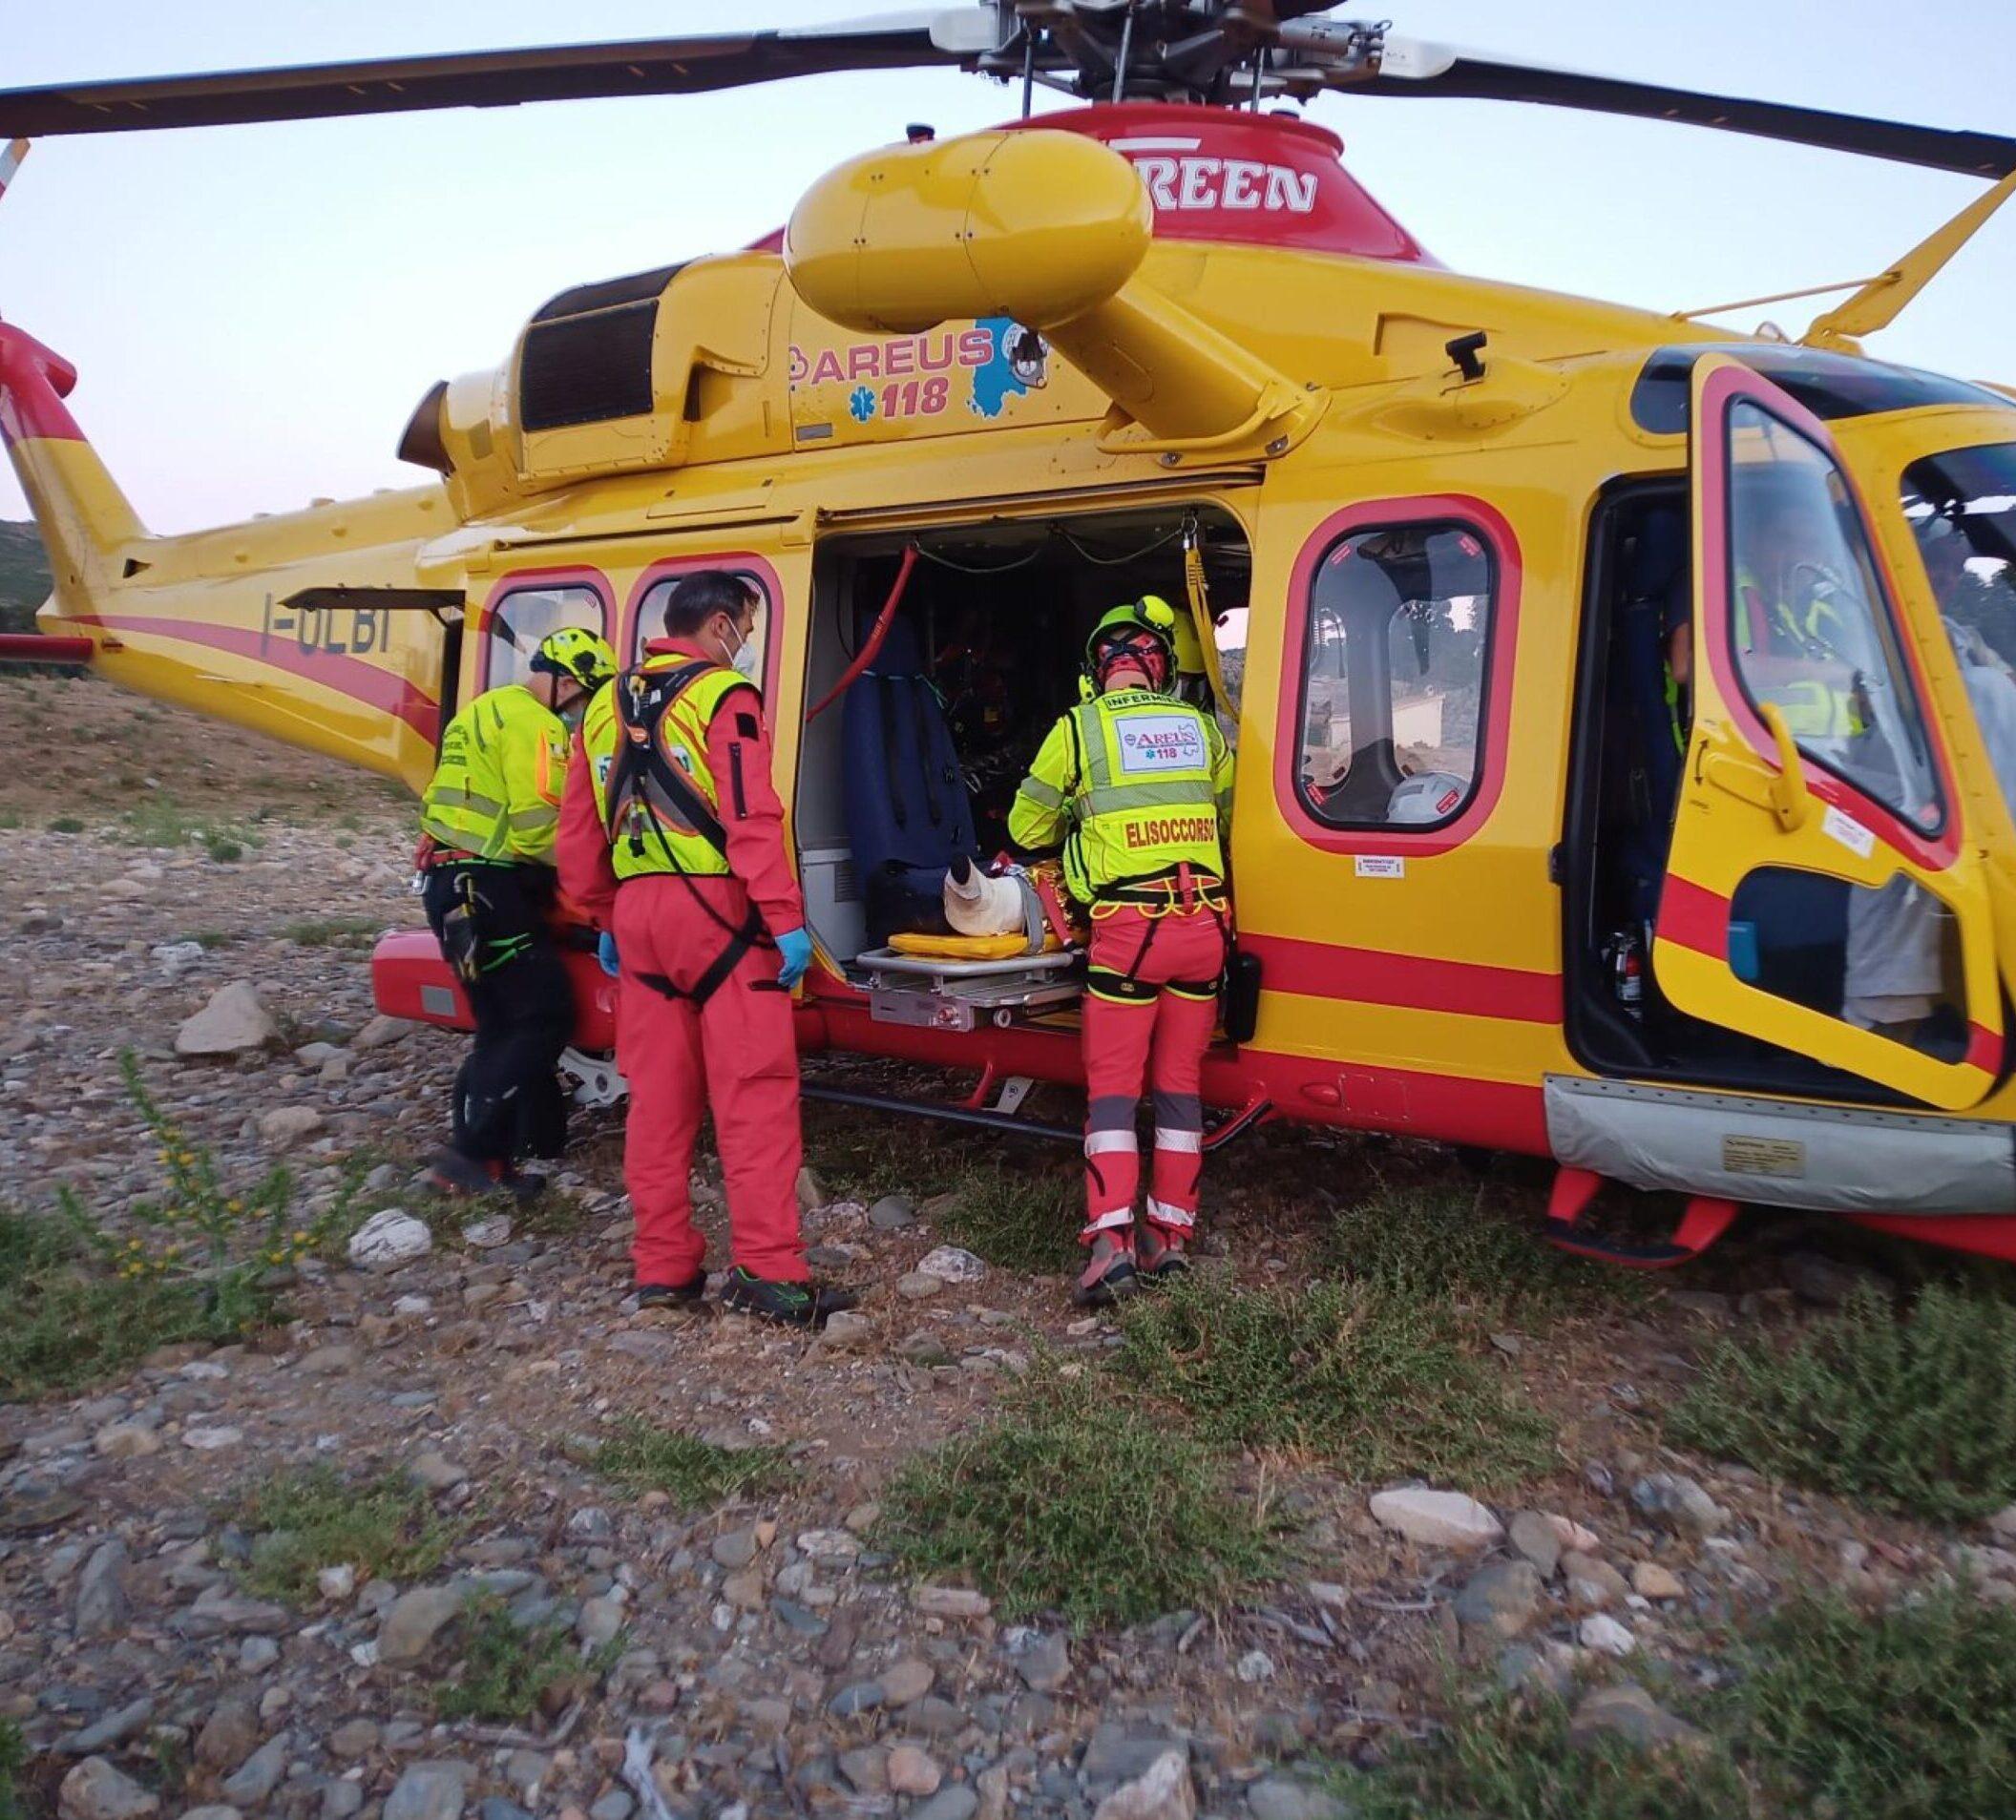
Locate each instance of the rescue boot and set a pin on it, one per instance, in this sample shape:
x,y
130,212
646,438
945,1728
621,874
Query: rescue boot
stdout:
x,y
1162,1253
1109,1275
673,1302
797,1305
451,1173
521,1184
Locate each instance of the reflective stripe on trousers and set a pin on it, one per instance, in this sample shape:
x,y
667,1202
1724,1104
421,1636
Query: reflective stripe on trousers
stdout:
x,y
1159,1041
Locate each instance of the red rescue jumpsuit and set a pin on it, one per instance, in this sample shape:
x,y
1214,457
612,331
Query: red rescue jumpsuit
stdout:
x,y
1159,938
1174,957
738,1052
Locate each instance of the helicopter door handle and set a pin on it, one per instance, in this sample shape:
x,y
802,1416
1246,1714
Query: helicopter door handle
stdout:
x,y
1784,791
1790,801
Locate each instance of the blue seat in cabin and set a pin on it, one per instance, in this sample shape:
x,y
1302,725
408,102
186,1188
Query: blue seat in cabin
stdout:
x,y
908,813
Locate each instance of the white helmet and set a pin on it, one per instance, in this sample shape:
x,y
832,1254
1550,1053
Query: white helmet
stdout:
x,y
1428,796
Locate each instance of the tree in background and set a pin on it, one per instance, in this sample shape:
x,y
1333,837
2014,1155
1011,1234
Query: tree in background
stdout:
x,y
24,576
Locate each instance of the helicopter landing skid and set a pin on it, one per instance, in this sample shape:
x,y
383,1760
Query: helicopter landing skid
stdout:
x,y
1707,1218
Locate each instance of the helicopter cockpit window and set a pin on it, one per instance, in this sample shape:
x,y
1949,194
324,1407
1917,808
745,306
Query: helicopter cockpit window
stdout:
x,y
650,621
1810,632
1393,676
1962,509
523,616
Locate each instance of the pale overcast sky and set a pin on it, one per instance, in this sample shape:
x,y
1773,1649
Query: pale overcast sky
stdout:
x,y
255,310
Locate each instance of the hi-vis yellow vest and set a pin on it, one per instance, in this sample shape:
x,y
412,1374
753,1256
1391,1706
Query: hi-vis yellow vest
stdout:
x,y
649,830
1813,708
1141,779
496,789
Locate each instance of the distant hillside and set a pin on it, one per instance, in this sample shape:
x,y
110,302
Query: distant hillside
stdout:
x,y
24,576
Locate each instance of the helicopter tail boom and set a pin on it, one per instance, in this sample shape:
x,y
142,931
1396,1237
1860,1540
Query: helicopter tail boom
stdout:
x,y
84,518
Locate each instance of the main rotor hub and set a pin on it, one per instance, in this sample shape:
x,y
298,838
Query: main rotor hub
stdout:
x,y
1218,51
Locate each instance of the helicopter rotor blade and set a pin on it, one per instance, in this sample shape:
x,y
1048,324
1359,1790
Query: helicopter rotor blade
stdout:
x,y
11,157
497,78
1414,67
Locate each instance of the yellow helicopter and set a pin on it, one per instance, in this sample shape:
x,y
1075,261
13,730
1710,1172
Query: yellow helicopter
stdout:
x,y
1624,709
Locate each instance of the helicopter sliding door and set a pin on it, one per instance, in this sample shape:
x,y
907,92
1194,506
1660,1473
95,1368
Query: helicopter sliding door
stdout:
x,y
1820,893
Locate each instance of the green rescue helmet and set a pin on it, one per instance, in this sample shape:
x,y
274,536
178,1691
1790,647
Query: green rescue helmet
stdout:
x,y
576,653
1144,632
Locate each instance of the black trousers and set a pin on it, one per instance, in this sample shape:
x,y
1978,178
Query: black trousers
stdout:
x,y
508,1102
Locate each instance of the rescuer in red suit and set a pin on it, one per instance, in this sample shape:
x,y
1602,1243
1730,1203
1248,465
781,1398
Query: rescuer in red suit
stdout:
x,y
672,841
1135,786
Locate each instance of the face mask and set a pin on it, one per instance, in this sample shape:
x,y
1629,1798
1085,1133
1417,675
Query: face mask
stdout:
x,y
744,661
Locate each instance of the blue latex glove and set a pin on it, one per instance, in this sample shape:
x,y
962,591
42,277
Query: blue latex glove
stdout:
x,y
605,953
795,948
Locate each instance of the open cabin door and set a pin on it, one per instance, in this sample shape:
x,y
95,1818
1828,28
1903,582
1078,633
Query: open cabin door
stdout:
x,y
1820,895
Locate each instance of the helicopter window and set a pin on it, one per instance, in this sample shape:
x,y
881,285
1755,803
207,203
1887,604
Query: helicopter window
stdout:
x,y
518,621
1962,509
1393,674
1829,386
1885,959
1810,634
650,620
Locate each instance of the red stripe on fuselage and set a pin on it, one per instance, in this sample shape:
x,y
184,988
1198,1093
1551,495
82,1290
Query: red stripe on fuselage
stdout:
x,y
1374,976
1692,916
346,674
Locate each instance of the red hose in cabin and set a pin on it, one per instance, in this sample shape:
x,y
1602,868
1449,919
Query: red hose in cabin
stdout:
x,y
867,652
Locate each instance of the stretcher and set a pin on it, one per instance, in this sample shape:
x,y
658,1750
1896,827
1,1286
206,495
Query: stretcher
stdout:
x,y
937,993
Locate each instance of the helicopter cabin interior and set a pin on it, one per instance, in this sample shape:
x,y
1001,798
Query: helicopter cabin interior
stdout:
x,y
917,761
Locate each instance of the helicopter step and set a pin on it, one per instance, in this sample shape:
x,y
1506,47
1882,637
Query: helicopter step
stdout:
x,y
1707,1218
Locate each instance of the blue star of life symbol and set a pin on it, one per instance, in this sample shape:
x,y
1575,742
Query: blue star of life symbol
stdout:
x,y
861,404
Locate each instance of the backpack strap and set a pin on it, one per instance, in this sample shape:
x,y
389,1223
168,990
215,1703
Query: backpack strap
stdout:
x,y
643,702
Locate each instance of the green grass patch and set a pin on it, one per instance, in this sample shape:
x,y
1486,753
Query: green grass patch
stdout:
x,y
13,1762
1021,1220
1834,1712
508,1672
385,1527
209,939
67,824
1509,1758
696,1474
1904,1715
860,1156
1074,1502
333,932
1381,1383
162,821
68,1321
1448,1244
1911,1411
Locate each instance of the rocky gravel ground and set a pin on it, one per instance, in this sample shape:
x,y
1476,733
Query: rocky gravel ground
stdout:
x,y
759,1657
